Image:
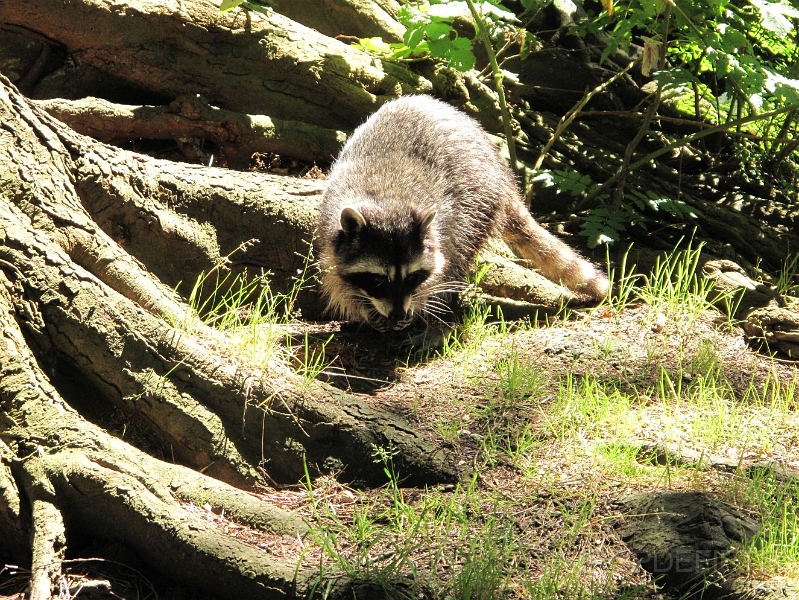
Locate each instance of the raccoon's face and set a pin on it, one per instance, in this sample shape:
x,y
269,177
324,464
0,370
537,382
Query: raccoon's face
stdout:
x,y
388,267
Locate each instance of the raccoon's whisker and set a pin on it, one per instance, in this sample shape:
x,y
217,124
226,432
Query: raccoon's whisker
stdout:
x,y
428,316
454,287
436,306
438,299
439,290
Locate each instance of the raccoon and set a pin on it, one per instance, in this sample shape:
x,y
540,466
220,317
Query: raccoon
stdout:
x,y
413,196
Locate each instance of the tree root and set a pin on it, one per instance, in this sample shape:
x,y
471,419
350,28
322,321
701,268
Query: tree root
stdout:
x,y
238,136
49,544
13,534
767,320
212,412
103,485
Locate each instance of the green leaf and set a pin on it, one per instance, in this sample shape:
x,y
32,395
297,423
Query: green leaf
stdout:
x,y
783,86
776,16
733,41
604,226
228,5
460,54
375,45
573,183
413,36
654,202
438,31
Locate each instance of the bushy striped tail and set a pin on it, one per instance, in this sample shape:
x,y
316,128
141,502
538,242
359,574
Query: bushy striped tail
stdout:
x,y
554,259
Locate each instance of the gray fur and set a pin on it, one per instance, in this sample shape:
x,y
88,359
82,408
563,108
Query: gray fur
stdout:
x,y
431,188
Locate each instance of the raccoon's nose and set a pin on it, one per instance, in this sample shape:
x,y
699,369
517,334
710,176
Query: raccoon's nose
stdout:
x,y
397,314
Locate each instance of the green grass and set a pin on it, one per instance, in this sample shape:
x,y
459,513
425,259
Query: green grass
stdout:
x,y
310,360
585,407
463,544
255,319
548,445
675,287
244,308
775,503
518,379
620,459
787,281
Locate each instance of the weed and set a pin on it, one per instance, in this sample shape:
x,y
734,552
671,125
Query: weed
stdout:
x,y
787,281
584,406
775,547
518,379
675,288
523,447
620,459
774,394
482,575
312,361
706,360
254,317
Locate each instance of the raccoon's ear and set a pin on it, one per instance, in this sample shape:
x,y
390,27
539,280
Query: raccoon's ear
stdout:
x,y
351,220
426,217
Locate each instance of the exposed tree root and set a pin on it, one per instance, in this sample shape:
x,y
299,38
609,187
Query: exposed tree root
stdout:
x,y
236,135
304,70
49,544
106,487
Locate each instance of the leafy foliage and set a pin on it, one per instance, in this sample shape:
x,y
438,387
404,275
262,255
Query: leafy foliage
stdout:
x,y
431,31
740,53
608,224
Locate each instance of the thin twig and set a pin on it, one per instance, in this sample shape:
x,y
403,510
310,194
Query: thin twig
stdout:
x,y
566,119
684,142
498,78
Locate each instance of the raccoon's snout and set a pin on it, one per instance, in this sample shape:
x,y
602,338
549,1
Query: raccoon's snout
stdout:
x,y
397,320
398,314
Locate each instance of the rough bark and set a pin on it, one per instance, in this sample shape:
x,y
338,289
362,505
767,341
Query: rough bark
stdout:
x,y
93,294
105,328
355,18
100,484
767,319
13,522
248,62
236,136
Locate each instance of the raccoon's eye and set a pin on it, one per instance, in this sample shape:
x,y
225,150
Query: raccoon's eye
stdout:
x,y
371,283
415,279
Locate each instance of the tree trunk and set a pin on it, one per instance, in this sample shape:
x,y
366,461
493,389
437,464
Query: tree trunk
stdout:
x,y
186,48
80,305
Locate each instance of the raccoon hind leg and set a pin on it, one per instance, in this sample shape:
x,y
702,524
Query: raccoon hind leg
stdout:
x,y
553,258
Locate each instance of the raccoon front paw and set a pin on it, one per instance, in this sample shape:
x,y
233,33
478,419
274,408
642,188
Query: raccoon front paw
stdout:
x,y
429,341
